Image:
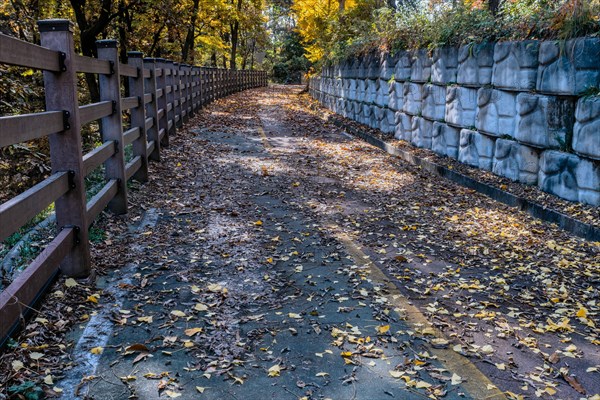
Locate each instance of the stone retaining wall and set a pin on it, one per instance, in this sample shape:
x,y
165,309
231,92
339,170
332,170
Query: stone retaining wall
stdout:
x,y
518,109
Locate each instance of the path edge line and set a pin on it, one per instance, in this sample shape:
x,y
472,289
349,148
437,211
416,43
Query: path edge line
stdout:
x,y
578,228
476,383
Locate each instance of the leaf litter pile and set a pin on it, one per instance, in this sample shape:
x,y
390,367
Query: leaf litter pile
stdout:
x,y
229,279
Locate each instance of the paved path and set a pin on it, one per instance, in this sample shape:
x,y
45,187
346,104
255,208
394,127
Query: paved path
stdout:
x,y
277,258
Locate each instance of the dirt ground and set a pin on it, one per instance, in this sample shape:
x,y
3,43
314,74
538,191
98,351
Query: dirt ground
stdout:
x,y
272,255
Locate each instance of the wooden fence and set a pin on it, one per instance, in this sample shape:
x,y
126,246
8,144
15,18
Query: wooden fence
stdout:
x,y
163,95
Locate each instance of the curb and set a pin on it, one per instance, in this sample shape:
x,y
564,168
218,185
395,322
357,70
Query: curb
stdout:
x,y
571,225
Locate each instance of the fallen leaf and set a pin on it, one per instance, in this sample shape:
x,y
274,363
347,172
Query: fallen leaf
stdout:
x,y
294,315
193,331
200,389
172,394
322,374
17,365
97,350
35,356
274,371
136,347
383,329
456,379
178,313
70,282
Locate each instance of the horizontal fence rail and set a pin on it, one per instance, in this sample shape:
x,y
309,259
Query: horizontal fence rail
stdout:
x,y
161,96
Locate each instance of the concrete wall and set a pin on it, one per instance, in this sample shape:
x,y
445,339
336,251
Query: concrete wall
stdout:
x,y
518,109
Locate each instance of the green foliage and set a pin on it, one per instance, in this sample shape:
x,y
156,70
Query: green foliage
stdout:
x,y
27,390
290,61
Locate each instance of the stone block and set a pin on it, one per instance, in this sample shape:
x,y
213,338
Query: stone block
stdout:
x,y
476,149
434,102
422,130
445,139
570,67
515,65
361,90
396,98
373,67
444,65
570,177
586,133
355,65
351,89
412,93
496,112
461,106
402,69
361,72
475,64
516,161
371,94
383,93
420,66
388,65
544,121
403,126
387,123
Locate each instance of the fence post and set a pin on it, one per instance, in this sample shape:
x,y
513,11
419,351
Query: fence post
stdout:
x,y
138,114
187,92
177,94
152,109
161,102
170,98
111,127
65,146
197,86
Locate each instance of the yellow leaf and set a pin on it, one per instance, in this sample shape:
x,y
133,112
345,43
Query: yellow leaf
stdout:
x,y
383,329
193,331
501,366
550,391
294,315
428,331
71,283
346,354
178,313
258,223
93,298
215,288
200,307
274,371
48,380
97,350
145,319
172,394
582,313
322,374
200,389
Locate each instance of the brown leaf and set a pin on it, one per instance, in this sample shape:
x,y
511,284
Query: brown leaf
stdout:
x,y
137,347
572,380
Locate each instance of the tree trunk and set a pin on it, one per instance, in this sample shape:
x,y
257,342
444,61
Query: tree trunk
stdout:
x,y
88,36
188,44
235,30
494,5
